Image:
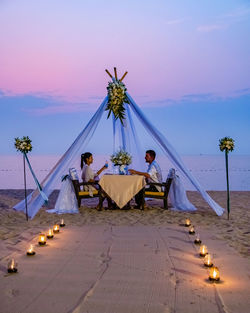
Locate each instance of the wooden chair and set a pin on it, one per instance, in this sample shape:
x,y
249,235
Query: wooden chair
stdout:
x,y
159,194
82,194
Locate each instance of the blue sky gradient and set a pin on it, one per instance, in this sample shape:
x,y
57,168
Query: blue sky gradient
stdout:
x,y
188,66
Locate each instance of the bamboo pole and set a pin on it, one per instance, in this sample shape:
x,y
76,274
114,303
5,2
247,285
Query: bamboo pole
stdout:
x,y
228,196
115,73
123,76
109,73
25,192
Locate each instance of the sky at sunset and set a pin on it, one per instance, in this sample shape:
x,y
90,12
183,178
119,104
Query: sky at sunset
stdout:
x,y
188,66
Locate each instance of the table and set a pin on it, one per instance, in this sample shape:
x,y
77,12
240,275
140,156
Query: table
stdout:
x,y
122,188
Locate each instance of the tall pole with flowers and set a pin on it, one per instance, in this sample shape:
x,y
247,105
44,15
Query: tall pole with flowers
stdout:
x,y
227,144
24,145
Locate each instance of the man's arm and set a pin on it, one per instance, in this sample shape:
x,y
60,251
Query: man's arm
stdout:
x,y
134,172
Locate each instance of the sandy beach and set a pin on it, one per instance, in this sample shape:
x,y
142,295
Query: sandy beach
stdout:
x,y
121,260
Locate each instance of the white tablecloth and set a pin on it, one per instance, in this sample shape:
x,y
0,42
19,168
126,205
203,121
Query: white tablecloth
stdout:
x,y
122,188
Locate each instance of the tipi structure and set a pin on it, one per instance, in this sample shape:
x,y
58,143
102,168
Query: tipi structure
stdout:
x,y
120,105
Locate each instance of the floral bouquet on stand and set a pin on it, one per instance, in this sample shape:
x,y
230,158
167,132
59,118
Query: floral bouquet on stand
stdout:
x,y
116,99
121,159
24,146
227,144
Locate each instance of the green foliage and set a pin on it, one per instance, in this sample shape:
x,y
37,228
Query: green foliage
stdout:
x,y
23,144
227,144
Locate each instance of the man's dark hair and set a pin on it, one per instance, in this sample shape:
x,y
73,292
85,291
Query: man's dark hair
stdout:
x,y
151,153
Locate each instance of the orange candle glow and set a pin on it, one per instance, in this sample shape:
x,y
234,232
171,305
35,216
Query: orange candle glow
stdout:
x,y
50,234
191,230
187,222
208,260
42,240
62,224
12,266
31,251
214,274
56,228
203,250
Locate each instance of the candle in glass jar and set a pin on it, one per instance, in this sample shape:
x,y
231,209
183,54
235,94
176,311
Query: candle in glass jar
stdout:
x,y
187,222
62,224
50,234
56,228
214,274
208,260
42,240
197,240
191,230
12,266
31,251
203,250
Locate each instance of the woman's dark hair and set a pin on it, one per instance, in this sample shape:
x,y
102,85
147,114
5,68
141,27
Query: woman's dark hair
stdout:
x,y
84,158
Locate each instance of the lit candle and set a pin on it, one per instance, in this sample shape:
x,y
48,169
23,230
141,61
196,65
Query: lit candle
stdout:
x,y
12,266
187,222
31,251
214,274
62,224
203,250
208,260
191,230
56,228
197,240
50,234
42,240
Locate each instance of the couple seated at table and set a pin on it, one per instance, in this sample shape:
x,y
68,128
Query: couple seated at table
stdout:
x,y
153,174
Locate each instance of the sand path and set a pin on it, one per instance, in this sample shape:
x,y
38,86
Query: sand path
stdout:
x,y
116,269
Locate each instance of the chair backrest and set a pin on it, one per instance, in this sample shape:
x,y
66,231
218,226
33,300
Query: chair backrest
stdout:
x,y
167,186
76,185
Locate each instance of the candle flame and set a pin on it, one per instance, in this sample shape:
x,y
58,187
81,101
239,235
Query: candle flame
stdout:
x,y
62,221
214,273
30,249
12,264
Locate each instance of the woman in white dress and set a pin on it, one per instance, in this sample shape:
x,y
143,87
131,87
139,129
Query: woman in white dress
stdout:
x,y
88,175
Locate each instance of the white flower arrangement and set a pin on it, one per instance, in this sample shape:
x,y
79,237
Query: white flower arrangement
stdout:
x,y
23,144
116,98
227,144
121,158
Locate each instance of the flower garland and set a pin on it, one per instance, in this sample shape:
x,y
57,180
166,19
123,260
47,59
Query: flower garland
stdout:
x,y
24,144
121,158
227,144
116,98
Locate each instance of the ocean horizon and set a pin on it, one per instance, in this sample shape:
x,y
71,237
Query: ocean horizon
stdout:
x,y
209,170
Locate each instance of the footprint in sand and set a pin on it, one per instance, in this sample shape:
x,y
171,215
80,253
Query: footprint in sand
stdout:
x,y
12,293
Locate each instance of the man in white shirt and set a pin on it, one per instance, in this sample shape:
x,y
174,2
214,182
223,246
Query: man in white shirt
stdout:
x,y
153,175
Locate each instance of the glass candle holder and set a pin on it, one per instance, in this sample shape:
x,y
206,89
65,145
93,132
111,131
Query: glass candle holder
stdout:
x,y
214,274
50,234
191,230
31,251
203,250
12,266
62,224
197,240
56,229
208,260
187,222
42,240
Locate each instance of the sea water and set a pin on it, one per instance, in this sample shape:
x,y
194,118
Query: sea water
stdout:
x,y
209,170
